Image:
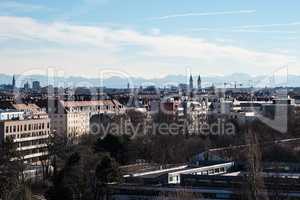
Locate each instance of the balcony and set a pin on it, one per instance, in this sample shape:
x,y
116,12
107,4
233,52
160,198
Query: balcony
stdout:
x,y
31,138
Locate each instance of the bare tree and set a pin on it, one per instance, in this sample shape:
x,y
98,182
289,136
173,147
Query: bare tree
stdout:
x,y
255,183
13,185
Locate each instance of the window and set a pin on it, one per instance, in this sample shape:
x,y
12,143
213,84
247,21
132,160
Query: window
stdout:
x,y
222,169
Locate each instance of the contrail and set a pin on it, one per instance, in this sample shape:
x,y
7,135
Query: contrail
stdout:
x,y
204,14
269,25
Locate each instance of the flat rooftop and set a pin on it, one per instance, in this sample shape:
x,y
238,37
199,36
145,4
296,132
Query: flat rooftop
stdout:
x,y
9,111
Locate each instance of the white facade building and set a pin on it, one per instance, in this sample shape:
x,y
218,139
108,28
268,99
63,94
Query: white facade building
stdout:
x,y
31,135
73,119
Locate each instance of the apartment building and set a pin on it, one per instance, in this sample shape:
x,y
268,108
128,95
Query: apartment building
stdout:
x,y
31,135
72,118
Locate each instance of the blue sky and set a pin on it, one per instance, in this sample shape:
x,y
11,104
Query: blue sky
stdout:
x,y
149,38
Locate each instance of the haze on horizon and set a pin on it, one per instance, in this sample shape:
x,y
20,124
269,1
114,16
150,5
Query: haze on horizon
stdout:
x,y
149,38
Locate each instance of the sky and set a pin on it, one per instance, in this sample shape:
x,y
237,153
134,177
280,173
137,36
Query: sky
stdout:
x,y
149,38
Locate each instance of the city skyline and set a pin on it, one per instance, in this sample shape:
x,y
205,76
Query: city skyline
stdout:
x,y
81,38
236,79
152,100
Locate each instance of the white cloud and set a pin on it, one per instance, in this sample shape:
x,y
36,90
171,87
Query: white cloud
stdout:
x,y
155,31
85,46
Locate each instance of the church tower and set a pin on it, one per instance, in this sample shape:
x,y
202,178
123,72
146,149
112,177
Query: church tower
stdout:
x,y
191,83
13,82
199,82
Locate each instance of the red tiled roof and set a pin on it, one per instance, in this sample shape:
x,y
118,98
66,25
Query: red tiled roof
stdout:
x,y
89,103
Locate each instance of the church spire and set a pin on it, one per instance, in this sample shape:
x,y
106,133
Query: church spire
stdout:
x,y
199,83
191,82
13,82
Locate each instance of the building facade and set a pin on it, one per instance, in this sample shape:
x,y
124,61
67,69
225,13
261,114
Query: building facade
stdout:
x,y
72,118
30,135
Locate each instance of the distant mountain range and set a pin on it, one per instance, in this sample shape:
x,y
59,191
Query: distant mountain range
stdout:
x,y
238,79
